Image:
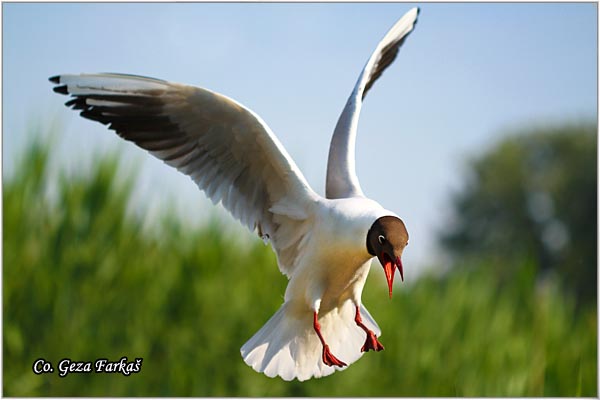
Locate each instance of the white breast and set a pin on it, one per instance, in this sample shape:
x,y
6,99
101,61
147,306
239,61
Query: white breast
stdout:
x,y
336,252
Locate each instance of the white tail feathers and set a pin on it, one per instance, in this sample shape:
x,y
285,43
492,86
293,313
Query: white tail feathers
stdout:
x,y
287,345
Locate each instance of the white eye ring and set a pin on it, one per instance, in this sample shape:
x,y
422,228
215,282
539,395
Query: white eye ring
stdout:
x,y
381,239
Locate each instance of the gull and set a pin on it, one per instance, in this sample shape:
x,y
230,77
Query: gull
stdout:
x,y
324,245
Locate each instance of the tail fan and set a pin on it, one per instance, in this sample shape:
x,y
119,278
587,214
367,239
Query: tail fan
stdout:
x,y
287,346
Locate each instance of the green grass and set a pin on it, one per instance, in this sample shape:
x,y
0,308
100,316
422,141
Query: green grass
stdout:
x,y
83,280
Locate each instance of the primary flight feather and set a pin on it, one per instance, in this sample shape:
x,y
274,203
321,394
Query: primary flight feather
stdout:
x,y
324,245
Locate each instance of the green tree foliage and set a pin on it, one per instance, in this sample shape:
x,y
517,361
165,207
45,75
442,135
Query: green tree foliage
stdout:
x,y
83,280
533,195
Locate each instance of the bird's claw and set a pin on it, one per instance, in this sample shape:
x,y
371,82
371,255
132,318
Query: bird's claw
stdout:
x,y
371,343
330,360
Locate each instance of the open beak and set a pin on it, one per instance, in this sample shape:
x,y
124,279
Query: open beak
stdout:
x,y
399,265
389,267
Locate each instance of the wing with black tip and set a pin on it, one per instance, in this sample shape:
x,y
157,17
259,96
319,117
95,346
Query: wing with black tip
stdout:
x,y
341,171
224,147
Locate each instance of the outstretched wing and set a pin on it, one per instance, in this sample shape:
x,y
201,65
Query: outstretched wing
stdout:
x,y
224,147
341,173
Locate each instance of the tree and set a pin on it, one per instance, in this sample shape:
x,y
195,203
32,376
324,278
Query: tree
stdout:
x,y
532,195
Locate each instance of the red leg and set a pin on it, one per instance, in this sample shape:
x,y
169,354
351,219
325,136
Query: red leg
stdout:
x,y
328,358
371,343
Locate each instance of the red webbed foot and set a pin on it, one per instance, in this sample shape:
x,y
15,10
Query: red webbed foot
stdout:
x,y
371,343
330,359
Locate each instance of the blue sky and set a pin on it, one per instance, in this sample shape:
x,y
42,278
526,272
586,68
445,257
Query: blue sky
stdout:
x,y
467,76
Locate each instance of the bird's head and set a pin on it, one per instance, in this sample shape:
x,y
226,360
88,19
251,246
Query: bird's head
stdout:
x,y
387,239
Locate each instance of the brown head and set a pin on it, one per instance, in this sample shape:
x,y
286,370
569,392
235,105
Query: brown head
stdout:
x,y
387,239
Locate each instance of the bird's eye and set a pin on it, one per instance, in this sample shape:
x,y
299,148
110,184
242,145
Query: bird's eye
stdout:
x,y
381,239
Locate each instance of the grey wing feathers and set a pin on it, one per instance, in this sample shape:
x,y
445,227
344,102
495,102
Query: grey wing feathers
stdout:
x,y
341,172
224,147
388,49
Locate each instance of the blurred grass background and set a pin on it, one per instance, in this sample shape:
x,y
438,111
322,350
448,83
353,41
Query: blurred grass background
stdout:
x,y
82,279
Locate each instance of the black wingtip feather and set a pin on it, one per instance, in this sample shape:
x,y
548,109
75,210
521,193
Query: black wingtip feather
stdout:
x,y
54,79
77,104
61,89
94,117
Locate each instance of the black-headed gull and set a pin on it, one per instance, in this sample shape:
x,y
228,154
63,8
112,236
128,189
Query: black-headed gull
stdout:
x,y
323,245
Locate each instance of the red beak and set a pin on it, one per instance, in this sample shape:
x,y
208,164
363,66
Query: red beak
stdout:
x,y
389,267
399,265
